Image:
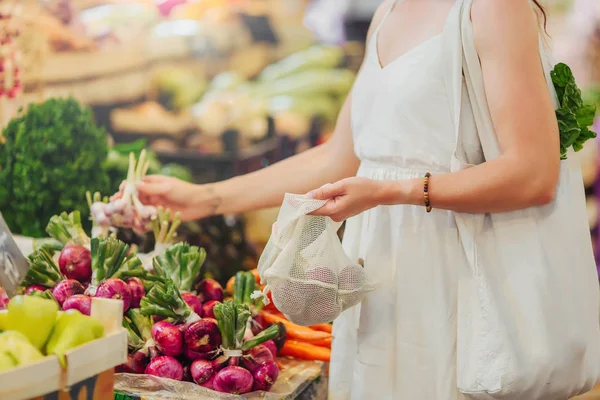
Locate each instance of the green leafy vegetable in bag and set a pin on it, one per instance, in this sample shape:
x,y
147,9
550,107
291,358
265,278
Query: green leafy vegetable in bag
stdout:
x,y
574,117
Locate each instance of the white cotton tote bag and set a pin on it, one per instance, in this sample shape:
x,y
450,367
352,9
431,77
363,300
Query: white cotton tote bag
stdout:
x,y
528,303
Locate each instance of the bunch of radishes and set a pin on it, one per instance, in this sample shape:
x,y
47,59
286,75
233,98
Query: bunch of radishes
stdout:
x,y
197,337
107,271
210,352
125,210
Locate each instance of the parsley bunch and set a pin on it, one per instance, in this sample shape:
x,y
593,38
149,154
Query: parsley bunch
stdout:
x,y
574,117
54,153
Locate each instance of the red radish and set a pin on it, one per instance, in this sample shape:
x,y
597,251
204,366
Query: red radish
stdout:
x,y
168,338
75,262
209,289
193,301
3,298
116,289
136,364
265,376
256,357
196,355
201,371
209,384
65,289
258,324
33,288
220,362
234,380
137,289
187,375
203,336
269,344
79,302
207,308
165,367
262,353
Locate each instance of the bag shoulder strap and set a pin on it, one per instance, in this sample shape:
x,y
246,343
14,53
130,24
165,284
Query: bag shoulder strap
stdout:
x,y
473,78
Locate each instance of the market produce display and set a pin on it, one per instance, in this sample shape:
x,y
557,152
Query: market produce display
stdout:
x,y
180,324
34,328
308,84
307,343
174,335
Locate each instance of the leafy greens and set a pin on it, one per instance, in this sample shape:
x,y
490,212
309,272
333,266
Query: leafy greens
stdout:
x,y
574,117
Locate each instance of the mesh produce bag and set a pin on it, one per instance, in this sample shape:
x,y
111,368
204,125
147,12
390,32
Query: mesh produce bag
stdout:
x,y
310,278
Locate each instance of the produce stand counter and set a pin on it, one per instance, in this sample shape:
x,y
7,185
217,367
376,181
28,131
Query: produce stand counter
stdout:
x,y
299,380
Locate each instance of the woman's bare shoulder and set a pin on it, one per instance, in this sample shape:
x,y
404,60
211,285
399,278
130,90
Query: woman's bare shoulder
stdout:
x,y
378,16
504,24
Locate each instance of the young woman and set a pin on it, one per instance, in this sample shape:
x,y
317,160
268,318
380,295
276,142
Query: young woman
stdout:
x,y
395,127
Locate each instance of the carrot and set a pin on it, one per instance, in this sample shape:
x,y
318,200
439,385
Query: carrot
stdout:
x,y
256,275
276,313
323,327
294,331
230,283
320,342
305,351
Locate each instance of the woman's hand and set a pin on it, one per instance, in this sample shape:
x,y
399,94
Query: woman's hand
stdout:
x,y
350,197
192,201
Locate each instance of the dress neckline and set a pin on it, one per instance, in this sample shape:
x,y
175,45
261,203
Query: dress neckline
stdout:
x,y
404,55
414,49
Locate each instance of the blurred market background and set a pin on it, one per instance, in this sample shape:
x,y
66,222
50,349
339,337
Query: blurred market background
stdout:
x,y
214,88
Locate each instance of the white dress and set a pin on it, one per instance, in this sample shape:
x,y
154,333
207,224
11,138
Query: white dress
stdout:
x,y
400,342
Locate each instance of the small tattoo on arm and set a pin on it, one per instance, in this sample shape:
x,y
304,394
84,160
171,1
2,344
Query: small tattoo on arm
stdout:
x,y
214,200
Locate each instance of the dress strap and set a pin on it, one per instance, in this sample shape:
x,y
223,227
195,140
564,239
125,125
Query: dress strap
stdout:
x,y
386,15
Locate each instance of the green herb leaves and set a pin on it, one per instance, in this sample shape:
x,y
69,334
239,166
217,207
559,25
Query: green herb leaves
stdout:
x,y
574,117
54,152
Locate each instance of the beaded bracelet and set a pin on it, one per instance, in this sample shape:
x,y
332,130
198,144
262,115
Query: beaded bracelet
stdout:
x,y
426,192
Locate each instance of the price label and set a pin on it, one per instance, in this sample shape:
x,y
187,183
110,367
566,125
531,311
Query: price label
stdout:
x,y
13,264
260,28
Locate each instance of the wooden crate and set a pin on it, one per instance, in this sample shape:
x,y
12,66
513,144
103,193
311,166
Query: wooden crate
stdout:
x,y
90,368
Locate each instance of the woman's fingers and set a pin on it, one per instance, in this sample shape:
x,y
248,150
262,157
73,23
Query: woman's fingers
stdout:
x,y
327,192
330,208
149,189
155,178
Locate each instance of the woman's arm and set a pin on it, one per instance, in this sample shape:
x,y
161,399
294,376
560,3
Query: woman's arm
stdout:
x,y
526,174
329,162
